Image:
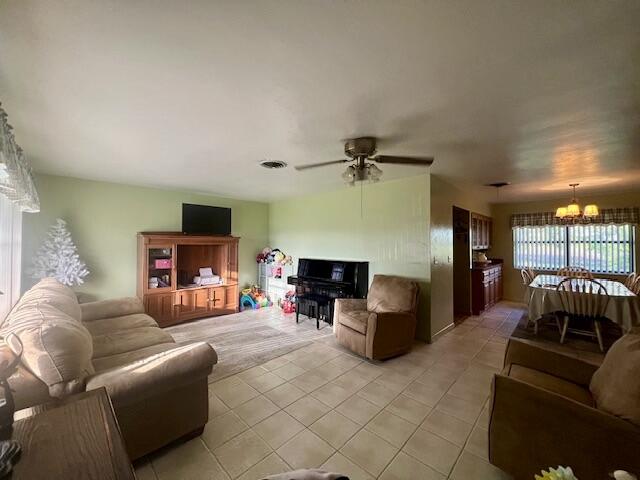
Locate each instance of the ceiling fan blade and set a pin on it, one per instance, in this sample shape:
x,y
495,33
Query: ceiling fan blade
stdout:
x,y
426,161
321,164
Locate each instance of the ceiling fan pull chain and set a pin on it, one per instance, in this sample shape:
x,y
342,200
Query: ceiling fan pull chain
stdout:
x,y
361,194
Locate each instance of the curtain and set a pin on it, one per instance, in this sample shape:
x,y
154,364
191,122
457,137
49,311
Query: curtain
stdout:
x,y
16,176
10,254
617,216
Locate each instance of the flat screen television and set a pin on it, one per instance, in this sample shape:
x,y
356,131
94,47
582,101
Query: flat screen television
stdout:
x,y
205,220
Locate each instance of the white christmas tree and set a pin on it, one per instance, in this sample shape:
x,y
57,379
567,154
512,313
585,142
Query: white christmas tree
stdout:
x,y
58,258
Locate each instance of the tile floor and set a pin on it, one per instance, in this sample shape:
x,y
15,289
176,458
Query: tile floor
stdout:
x,y
420,416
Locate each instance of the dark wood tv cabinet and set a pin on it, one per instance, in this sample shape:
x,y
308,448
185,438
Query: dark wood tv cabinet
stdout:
x,y
167,263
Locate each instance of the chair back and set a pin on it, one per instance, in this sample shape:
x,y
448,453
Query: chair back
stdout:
x,y
389,293
635,287
583,297
575,272
630,281
527,275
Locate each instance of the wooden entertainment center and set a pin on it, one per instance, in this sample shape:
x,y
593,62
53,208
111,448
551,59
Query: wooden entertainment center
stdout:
x,y
167,263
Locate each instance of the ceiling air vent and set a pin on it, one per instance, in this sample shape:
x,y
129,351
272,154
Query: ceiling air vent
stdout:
x,y
497,184
271,164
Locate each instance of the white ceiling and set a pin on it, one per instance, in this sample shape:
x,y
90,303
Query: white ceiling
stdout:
x,y
193,94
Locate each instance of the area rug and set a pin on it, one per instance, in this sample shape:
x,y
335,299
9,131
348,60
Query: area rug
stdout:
x,y
246,339
548,334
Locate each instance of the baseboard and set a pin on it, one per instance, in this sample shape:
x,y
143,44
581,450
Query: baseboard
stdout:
x,y
449,327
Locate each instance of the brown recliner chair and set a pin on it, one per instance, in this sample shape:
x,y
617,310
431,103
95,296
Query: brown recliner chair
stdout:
x,y
549,409
384,324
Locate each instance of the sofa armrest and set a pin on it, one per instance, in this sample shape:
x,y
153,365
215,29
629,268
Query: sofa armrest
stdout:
x,y
531,428
115,307
536,356
390,333
160,372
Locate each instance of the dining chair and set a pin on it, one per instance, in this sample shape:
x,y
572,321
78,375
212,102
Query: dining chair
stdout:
x,y
575,272
526,281
527,278
631,280
586,300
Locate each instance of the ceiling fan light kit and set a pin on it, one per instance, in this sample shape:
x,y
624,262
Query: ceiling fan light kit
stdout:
x,y
362,152
573,212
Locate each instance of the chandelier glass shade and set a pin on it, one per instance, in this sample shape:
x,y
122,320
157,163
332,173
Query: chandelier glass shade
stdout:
x,y
573,211
16,177
369,172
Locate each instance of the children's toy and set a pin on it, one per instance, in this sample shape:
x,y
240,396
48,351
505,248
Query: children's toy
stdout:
x,y
279,257
276,272
289,302
254,298
275,256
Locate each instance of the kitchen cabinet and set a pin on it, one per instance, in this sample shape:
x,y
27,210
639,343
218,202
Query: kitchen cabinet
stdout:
x,y
481,234
486,287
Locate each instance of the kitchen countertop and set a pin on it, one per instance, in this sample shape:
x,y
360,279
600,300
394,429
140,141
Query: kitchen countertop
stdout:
x,y
485,266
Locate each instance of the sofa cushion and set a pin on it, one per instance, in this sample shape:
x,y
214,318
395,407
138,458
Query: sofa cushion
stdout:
x,y
112,361
616,384
128,340
356,320
113,307
115,324
550,383
57,348
51,292
392,294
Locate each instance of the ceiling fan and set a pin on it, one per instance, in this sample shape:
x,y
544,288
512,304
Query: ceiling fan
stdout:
x,y
362,151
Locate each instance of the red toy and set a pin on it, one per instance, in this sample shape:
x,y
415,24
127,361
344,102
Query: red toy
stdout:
x,y
289,302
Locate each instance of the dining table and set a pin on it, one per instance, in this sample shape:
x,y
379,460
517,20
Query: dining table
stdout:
x,y
623,307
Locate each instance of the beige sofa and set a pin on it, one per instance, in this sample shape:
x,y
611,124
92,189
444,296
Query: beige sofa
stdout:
x,y
384,324
158,388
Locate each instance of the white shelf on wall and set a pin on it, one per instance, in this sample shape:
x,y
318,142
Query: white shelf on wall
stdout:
x,y
276,288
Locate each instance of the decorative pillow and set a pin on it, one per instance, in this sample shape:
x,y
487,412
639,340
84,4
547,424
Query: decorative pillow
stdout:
x,y
616,384
56,348
392,294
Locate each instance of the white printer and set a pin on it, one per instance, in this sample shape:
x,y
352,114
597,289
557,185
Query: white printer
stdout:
x,y
207,277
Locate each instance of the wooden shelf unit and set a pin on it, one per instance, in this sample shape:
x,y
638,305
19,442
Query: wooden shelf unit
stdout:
x,y
174,301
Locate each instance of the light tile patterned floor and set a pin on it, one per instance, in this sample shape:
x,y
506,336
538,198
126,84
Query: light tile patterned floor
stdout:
x,y
420,416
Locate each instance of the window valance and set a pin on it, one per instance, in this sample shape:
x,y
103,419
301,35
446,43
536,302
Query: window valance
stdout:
x,y
16,177
607,216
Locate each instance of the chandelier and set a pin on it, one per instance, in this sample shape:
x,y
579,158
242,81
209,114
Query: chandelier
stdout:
x,y
572,211
16,177
361,172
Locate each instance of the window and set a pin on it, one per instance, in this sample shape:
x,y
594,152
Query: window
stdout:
x,y
543,248
10,240
599,248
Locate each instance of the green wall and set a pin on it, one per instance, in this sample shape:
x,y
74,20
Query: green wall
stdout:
x,y
391,231
444,196
104,218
